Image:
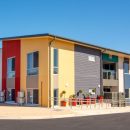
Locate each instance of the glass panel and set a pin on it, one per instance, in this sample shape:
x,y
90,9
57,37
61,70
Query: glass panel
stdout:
x,y
29,61
35,59
109,74
112,66
104,75
106,66
35,96
11,67
55,70
55,61
13,64
55,57
126,68
32,63
55,96
33,71
30,96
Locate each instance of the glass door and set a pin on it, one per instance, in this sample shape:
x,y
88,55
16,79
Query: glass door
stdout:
x,y
32,96
55,97
35,96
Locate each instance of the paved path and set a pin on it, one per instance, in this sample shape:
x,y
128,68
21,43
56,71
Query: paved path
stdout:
x,y
102,122
15,112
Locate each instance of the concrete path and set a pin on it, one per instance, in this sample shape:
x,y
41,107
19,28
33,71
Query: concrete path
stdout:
x,y
16,112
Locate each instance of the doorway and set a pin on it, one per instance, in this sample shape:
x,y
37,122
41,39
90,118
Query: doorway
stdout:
x,y
55,97
10,95
32,96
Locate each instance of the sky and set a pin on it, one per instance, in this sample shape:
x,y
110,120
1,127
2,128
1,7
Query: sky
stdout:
x,y
101,22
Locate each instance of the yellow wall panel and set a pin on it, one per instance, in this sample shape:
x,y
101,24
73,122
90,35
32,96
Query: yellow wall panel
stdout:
x,y
30,45
66,67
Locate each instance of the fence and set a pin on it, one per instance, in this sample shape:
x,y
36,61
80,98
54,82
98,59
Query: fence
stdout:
x,y
88,103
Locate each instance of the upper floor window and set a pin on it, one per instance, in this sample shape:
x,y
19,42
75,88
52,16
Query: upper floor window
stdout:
x,y
32,63
11,67
55,62
126,65
92,58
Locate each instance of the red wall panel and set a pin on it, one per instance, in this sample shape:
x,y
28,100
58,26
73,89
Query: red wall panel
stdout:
x,y
11,48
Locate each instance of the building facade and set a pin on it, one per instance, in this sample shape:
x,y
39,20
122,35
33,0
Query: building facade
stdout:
x,y
43,66
0,69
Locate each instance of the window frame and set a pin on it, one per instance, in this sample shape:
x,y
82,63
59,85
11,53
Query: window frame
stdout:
x,y
13,57
126,61
55,67
93,57
32,66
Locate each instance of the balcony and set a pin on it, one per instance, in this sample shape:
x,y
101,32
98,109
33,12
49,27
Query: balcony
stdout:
x,y
110,78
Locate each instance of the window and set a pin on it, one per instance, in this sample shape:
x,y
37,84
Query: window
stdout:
x,y
126,65
11,67
55,71
32,63
91,58
92,91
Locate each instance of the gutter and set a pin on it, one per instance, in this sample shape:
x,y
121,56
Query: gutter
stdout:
x,y
49,91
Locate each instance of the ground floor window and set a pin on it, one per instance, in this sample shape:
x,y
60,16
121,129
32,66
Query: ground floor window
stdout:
x,y
107,89
10,95
32,96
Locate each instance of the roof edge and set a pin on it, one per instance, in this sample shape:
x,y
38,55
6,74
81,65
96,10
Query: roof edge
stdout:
x,y
63,38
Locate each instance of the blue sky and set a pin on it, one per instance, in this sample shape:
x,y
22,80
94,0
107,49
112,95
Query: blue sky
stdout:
x,y
101,22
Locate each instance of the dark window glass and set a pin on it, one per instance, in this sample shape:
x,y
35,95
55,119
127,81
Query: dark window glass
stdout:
x,y
112,67
55,57
35,59
13,64
126,65
55,71
32,63
106,66
126,68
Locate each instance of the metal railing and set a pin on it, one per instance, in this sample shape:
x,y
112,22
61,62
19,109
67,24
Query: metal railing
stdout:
x,y
87,103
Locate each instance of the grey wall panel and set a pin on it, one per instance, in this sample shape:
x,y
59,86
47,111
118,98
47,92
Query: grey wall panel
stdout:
x,y
10,83
87,73
55,81
32,81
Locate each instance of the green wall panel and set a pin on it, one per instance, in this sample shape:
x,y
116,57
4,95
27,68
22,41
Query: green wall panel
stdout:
x,y
106,57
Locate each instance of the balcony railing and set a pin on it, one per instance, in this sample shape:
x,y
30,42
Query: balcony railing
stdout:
x,y
109,74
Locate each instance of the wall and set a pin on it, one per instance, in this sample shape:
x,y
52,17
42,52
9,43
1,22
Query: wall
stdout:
x,y
87,73
121,74
0,69
66,68
29,45
11,48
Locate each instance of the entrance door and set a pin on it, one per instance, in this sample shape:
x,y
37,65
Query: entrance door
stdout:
x,y
35,96
55,97
32,96
13,94
29,96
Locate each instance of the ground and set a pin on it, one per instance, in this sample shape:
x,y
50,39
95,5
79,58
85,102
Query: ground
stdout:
x,y
102,122
25,112
99,117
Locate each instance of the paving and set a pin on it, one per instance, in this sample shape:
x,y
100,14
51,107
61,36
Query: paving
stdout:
x,y
27,113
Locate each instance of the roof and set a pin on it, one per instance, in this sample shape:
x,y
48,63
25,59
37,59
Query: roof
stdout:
x,y
63,38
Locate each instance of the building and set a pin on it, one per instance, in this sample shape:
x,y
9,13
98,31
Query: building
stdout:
x,y
45,65
0,69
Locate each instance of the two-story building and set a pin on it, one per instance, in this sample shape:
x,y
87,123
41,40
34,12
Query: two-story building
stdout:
x,y
45,65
